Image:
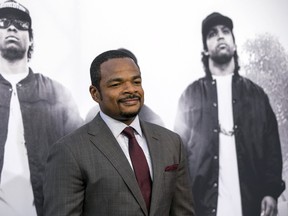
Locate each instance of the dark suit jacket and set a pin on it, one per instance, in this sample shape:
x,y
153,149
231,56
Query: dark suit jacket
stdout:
x,y
88,174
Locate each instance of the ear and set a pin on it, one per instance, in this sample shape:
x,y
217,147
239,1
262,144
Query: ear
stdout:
x,y
205,52
95,94
31,41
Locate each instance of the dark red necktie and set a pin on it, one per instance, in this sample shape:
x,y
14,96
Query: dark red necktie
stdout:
x,y
140,165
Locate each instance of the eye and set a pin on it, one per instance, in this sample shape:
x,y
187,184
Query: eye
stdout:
x,y
226,30
24,25
211,34
3,23
137,81
114,84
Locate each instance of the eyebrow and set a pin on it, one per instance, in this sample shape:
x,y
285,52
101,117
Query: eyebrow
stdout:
x,y
220,26
120,79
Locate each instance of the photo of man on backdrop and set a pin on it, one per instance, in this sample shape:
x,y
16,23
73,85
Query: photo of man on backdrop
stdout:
x,y
46,96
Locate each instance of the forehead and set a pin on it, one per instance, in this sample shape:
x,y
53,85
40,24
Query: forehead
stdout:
x,y
218,27
117,65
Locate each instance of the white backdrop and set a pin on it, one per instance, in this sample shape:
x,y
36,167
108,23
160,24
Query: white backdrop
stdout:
x,y
165,36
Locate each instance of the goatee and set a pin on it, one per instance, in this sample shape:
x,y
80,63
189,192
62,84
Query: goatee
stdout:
x,y
13,54
129,115
222,58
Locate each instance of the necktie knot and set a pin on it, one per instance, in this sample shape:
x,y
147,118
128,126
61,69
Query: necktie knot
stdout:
x,y
128,132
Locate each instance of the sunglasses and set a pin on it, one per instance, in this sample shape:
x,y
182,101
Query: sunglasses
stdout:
x,y
19,24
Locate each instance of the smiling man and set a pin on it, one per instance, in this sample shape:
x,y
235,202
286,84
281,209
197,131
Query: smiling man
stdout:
x,y
118,164
146,113
35,111
230,132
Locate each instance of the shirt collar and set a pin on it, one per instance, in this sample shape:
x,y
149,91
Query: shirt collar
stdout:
x,y
117,127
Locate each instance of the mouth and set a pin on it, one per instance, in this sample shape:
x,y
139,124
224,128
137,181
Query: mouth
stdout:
x,y
222,45
11,38
130,101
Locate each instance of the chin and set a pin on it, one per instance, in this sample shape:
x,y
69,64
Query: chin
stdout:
x,y
223,58
130,114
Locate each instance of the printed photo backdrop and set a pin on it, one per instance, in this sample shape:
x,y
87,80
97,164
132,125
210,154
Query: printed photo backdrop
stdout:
x,y
165,36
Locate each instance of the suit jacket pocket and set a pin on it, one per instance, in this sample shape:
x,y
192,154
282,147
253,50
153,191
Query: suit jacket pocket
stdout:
x,y
171,168
169,180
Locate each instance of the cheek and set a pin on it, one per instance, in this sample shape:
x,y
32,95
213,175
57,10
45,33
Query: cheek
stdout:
x,y
109,98
209,45
141,91
230,40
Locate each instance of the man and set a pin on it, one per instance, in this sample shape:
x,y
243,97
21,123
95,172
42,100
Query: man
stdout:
x,y
91,171
146,113
35,111
230,132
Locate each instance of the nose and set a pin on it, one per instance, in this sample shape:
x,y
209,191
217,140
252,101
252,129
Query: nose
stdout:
x,y
11,27
129,87
220,34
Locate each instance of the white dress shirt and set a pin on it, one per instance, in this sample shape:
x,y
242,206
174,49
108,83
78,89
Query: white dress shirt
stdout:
x,y
117,127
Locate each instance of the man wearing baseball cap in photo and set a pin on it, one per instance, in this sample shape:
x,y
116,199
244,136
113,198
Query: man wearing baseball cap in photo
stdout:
x,y
35,111
230,132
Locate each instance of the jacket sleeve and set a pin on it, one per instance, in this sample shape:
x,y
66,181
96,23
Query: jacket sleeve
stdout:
x,y
273,170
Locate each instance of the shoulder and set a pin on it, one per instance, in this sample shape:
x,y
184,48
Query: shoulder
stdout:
x,y
47,81
158,131
44,80
83,140
195,90
75,137
197,84
74,144
94,128
49,87
250,86
162,139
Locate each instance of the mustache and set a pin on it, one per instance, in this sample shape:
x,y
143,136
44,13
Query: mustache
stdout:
x,y
131,96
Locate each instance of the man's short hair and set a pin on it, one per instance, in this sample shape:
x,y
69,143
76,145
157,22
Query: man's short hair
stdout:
x,y
95,72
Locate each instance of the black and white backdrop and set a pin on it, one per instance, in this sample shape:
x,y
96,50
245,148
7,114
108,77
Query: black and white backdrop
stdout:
x,y
165,35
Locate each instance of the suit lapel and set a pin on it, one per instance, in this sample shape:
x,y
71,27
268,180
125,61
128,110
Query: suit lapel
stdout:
x,y
104,141
157,163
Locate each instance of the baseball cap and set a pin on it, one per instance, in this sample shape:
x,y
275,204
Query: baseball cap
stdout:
x,y
11,8
213,19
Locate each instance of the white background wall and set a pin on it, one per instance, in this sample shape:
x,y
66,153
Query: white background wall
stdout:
x,y
165,36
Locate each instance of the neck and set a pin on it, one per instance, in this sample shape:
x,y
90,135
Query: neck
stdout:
x,y
15,67
221,69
